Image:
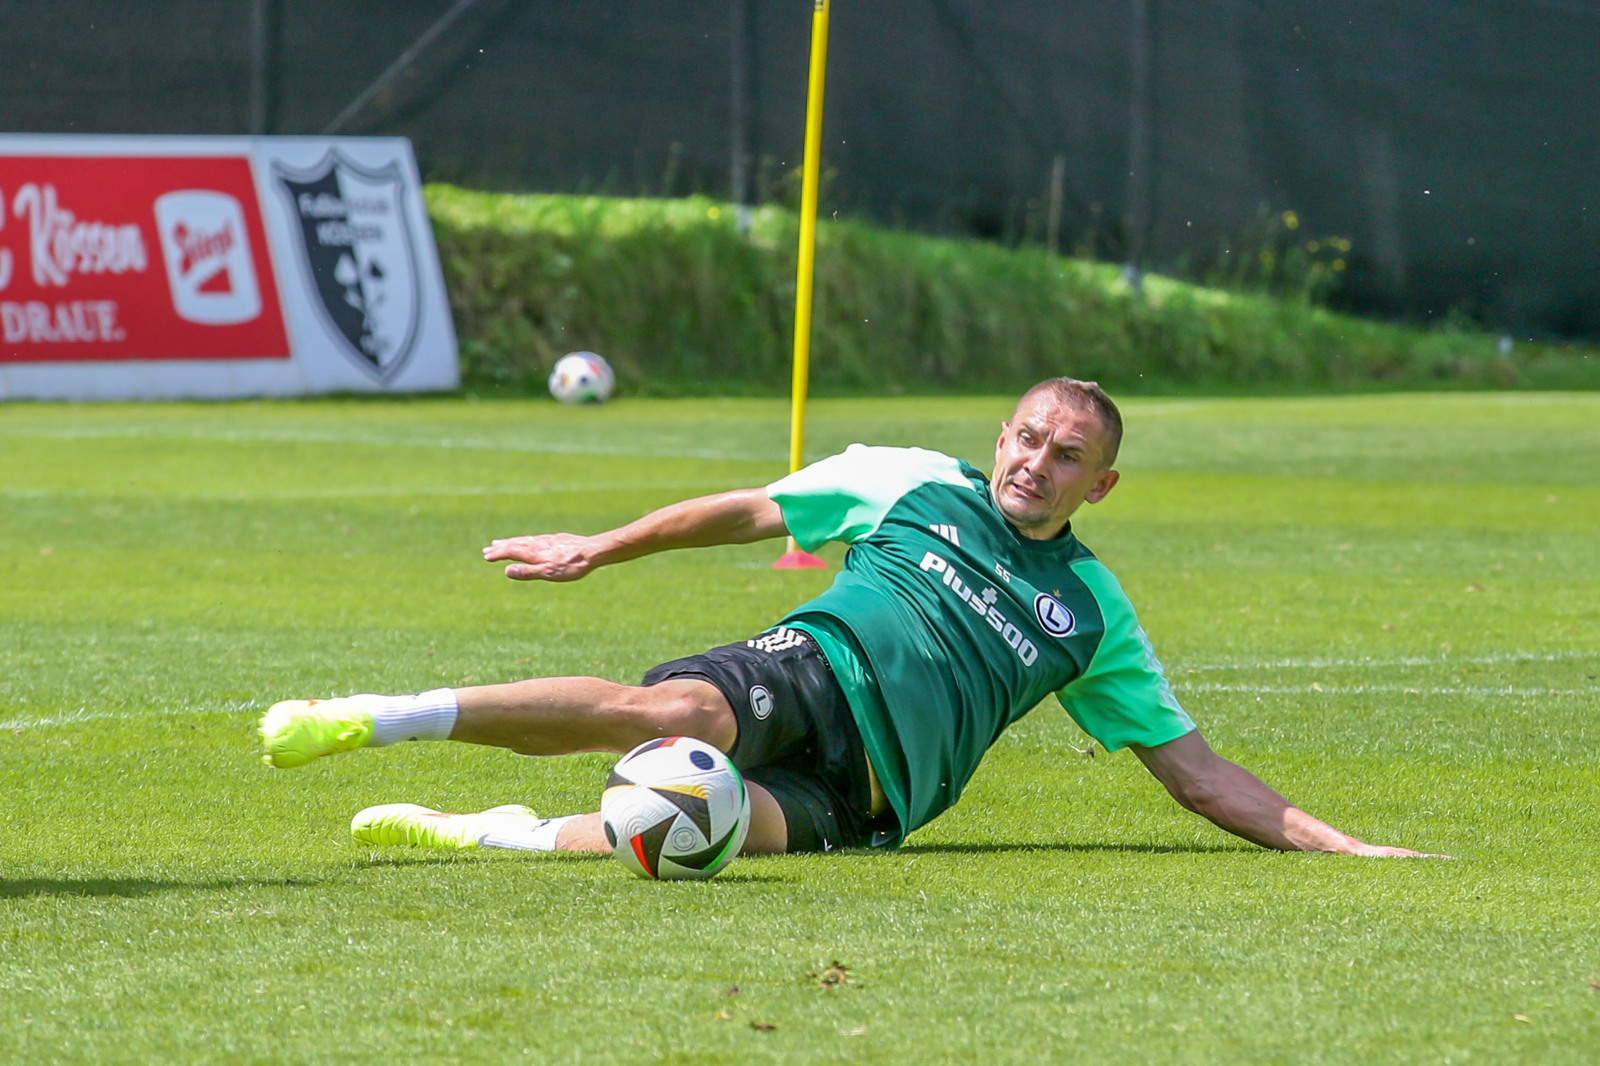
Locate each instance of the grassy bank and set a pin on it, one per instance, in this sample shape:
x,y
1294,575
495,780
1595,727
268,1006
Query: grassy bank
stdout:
x,y
681,302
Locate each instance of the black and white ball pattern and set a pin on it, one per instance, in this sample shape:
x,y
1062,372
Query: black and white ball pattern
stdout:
x,y
675,808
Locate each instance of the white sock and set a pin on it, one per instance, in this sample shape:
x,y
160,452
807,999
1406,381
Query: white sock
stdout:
x,y
425,716
522,833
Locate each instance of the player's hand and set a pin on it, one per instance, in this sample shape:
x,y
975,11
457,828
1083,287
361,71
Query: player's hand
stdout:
x,y
547,557
1376,851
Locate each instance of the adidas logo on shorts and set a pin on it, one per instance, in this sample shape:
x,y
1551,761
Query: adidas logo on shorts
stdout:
x,y
781,639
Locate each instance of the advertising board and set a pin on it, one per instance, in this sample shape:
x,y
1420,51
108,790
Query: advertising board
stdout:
x,y
169,267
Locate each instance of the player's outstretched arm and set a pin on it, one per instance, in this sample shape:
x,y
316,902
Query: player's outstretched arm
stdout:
x,y
737,517
1240,802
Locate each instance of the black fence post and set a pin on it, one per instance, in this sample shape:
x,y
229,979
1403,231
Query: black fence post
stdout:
x,y
266,65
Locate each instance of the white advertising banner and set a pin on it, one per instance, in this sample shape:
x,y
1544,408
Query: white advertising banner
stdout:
x,y
212,267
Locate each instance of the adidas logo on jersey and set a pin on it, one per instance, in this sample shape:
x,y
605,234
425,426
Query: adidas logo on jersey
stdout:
x,y
949,533
781,639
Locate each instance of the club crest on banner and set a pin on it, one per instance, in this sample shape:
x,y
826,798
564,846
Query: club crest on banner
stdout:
x,y
361,257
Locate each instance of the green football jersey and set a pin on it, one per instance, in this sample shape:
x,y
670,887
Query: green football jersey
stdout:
x,y
947,624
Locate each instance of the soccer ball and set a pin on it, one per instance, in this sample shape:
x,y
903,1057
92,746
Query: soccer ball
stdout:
x,y
582,377
675,808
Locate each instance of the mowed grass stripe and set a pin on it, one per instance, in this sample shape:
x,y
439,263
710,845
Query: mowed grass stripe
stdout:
x,y
402,441
362,492
1472,691
1390,664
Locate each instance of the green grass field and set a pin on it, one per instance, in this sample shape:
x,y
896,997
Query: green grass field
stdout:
x,y
1388,607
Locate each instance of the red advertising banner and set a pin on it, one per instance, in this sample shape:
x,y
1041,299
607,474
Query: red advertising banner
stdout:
x,y
122,257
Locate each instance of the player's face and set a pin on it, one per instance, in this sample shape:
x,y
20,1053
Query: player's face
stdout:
x,y
1047,463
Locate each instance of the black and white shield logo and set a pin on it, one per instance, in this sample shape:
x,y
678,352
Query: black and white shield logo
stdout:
x,y
362,259
1053,616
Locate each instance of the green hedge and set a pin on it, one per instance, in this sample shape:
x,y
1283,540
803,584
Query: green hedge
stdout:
x,y
680,301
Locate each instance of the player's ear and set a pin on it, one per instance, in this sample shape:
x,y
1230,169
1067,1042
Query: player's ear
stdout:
x,y
1000,442
1103,485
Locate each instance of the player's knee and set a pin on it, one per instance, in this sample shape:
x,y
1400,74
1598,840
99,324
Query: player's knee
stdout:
x,y
691,708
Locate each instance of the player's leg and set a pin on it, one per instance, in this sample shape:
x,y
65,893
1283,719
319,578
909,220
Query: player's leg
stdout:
x,y
520,829
768,834
563,715
543,716
795,737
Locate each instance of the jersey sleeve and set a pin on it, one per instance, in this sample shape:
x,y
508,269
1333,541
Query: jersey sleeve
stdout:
x,y
1123,697
845,497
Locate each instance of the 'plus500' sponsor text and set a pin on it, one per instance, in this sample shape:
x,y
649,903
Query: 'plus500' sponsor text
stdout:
x,y
983,604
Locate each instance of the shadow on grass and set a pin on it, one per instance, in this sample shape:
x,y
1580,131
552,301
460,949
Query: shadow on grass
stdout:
x,y
137,887
1132,849
485,858
402,862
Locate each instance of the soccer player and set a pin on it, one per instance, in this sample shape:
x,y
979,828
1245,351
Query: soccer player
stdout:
x,y
964,601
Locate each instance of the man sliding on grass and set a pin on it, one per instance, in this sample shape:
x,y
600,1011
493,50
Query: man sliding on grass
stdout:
x,y
964,601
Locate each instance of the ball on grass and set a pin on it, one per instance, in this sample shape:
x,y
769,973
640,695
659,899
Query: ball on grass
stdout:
x,y
582,377
675,808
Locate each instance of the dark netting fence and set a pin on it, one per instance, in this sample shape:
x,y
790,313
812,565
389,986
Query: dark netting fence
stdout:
x,y
1437,159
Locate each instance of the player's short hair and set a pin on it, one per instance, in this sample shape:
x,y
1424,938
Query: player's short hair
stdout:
x,y
1083,396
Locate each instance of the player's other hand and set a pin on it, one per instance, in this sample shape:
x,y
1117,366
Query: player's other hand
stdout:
x,y
1376,851
547,557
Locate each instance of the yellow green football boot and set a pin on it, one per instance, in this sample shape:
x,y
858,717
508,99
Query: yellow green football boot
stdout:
x,y
418,826
296,731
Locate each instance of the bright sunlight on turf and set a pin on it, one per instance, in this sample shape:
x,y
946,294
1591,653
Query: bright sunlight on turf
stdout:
x,y
1387,607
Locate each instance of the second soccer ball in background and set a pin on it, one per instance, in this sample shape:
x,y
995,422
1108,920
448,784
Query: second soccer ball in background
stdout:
x,y
582,377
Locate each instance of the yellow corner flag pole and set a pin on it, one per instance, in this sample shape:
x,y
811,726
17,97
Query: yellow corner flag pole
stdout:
x,y
794,558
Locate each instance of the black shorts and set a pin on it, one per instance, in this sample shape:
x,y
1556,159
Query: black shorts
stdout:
x,y
797,737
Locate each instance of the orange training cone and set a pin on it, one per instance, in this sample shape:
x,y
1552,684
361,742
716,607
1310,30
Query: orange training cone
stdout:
x,y
795,559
